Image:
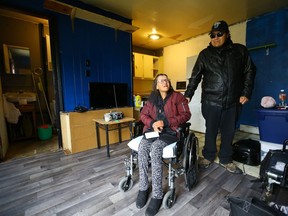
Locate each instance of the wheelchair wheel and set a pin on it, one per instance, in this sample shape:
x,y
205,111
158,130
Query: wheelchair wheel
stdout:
x,y
134,167
125,184
190,151
190,161
169,199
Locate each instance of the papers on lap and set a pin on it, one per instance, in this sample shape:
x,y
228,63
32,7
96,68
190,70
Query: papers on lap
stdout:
x,y
153,134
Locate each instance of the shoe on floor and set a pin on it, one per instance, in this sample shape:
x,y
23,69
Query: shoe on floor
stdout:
x,y
232,168
142,198
204,163
153,207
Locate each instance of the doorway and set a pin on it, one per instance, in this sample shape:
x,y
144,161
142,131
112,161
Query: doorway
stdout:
x,y
31,32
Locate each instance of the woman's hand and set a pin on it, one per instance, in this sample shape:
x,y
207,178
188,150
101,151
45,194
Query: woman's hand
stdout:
x,y
158,126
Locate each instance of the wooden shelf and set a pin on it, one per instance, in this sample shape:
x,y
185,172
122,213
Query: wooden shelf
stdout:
x,y
78,129
143,78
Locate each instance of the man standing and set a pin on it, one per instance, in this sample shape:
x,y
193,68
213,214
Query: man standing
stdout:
x,y
227,73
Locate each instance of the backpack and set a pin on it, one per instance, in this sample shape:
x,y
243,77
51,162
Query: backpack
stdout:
x,y
247,151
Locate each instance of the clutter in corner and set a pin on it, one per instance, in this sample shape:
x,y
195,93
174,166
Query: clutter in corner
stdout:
x,y
11,113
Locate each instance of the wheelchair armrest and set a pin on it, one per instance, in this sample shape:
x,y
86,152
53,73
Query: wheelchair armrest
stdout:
x,y
138,128
184,127
284,181
184,130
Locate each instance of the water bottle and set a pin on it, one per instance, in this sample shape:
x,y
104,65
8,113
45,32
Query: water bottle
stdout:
x,y
282,98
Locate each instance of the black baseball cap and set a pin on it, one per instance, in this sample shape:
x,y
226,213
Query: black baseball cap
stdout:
x,y
221,26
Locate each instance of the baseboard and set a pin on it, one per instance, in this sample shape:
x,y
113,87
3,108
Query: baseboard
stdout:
x,y
249,129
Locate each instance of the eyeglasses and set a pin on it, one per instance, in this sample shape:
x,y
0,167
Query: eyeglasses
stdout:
x,y
219,34
163,81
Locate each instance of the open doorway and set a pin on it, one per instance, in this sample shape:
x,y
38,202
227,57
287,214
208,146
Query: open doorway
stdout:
x,y
26,32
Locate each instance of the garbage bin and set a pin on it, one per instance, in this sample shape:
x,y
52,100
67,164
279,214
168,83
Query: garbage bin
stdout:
x,y
273,125
45,132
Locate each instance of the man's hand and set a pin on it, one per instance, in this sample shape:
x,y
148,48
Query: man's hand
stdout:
x,y
243,100
158,126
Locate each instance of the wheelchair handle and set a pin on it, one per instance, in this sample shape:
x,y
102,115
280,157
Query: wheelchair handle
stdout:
x,y
284,145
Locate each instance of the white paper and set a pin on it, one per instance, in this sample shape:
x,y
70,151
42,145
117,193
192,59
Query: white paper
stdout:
x,y
153,134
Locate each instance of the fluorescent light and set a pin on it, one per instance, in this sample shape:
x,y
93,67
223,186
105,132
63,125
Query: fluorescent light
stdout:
x,y
154,36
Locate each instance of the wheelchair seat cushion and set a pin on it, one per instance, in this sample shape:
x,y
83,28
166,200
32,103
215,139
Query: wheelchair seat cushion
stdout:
x,y
134,143
168,152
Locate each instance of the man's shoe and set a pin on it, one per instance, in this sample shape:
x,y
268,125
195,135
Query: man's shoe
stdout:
x,y
142,198
153,207
231,167
204,163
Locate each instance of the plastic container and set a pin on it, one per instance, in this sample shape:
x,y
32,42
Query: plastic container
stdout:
x,y
266,146
273,125
138,101
45,132
282,98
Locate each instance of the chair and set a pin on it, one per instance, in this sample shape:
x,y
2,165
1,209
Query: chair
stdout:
x,y
181,158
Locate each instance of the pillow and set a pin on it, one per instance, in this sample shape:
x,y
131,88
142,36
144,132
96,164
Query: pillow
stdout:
x,y
268,102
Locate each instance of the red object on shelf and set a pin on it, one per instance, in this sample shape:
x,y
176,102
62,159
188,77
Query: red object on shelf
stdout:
x,y
44,126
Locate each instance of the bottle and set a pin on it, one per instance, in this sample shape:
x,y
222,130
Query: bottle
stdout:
x,y
137,101
282,98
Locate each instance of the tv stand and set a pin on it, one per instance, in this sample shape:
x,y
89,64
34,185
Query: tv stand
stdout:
x,y
78,129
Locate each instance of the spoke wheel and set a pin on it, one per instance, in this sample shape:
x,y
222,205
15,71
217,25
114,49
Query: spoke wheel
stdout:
x,y
190,160
187,160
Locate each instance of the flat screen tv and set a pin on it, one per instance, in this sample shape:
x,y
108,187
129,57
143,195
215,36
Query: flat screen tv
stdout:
x,y
104,95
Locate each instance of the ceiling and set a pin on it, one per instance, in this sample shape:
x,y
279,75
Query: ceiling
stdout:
x,y
179,20
22,16
174,20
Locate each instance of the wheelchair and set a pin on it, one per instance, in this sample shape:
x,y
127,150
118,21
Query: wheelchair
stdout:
x,y
181,158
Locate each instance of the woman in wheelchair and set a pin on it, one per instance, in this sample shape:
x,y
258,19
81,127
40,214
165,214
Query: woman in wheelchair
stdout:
x,y
164,112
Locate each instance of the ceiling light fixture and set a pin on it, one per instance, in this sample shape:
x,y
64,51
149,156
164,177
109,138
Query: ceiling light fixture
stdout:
x,y
154,36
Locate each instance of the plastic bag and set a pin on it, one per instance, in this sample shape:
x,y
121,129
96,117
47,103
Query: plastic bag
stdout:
x,y
251,207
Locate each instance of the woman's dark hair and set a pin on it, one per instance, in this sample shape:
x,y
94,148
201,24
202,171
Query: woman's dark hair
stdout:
x,y
155,82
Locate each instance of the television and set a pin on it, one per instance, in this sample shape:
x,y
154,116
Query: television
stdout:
x,y
103,95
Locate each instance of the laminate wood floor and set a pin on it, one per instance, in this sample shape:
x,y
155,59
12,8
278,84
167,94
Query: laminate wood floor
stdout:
x,y
87,184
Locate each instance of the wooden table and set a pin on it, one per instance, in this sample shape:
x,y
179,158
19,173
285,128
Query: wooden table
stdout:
x,y
121,123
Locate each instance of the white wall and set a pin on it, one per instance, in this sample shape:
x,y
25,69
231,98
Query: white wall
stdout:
x,y
175,56
179,60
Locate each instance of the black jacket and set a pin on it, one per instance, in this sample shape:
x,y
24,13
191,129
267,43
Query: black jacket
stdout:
x,y
227,73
